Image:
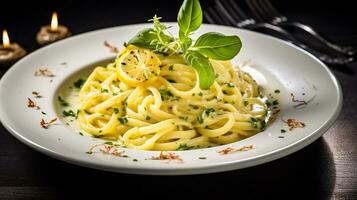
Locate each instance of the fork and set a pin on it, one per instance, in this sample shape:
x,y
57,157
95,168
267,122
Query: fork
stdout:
x,y
227,12
265,11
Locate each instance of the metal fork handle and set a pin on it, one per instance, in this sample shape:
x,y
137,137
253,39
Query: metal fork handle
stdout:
x,y
308,29
324,57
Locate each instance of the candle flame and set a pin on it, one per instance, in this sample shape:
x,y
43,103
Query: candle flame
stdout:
x,y
54,22
5,39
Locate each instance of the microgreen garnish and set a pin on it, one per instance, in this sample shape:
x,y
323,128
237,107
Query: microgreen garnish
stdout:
x,y
210,45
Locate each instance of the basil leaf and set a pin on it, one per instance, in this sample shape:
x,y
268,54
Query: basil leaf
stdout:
x,y
203,67
189,18
145,38
218,46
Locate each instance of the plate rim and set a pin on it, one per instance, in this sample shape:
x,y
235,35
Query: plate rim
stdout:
x,y
187,170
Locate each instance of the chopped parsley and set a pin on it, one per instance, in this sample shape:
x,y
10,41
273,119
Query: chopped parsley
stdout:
x,y
268,103
135,160
171,81
43,113
184,118
79,83
80,133
254,122
208,111
263,125
62,101
116,110
123,120
167,95
171,67
202,158
125,103
199,119
275,102
193,106
245,103
108,143
183,147
77,114
147,117
272,102
69,113
277,91
104,90
230,85
200,94
283,131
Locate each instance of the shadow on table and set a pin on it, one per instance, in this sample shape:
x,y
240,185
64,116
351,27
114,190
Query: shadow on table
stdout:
x,y
305,174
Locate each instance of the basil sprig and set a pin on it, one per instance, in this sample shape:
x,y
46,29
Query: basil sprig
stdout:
x,y
210,45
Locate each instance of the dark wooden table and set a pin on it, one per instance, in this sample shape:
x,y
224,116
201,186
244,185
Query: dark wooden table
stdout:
x,y
325,169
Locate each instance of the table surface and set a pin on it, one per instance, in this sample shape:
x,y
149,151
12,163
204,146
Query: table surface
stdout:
x,y
325,169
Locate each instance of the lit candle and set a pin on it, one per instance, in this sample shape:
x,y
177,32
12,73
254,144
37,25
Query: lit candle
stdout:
x,y
10,52
53,32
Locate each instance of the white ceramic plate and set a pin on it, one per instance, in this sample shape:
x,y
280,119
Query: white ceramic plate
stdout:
x,y
273,63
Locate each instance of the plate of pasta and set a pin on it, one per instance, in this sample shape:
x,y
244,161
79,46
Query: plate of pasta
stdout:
x,y
169,98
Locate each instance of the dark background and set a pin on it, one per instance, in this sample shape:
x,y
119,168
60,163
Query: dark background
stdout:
x,y
323,170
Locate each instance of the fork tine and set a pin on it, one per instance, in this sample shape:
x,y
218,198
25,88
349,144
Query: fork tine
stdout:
x,y
209,17
214,17
238,10
225,19
233,13
271,9
257,10
223,10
